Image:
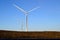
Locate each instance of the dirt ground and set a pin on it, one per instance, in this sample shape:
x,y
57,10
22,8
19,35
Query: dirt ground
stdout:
x,y
18,34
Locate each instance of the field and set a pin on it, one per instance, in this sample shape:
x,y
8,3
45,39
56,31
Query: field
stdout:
x,y
18,34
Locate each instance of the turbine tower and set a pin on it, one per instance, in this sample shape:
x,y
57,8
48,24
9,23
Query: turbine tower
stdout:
x,y
26,14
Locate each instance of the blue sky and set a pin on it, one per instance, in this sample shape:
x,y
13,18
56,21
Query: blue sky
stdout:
x,y
45,18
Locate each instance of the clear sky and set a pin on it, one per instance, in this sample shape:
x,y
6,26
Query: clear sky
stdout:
x,y
45,18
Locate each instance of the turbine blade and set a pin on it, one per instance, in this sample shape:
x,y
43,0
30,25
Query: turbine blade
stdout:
x,y
33,9
20,9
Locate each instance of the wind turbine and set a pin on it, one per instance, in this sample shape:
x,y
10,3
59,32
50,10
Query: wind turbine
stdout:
x,y
22,25
26,14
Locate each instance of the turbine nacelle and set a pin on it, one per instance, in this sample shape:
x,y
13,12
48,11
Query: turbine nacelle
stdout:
x,y
26,13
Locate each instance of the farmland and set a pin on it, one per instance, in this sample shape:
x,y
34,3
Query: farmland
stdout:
x,y
18,34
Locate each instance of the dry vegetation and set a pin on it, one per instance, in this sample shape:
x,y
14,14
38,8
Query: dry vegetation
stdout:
x,y
17,34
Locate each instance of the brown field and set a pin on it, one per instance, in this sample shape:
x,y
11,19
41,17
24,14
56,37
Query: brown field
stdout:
x,y
18,34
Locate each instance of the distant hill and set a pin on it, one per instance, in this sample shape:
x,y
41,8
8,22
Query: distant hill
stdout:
x,y
18,34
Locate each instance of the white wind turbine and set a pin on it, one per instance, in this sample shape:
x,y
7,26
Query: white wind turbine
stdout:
x,y
26,14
